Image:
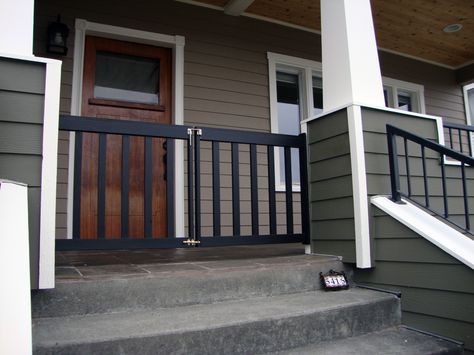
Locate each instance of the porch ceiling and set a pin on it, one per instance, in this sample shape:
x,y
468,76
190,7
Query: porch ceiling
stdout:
x,y
410,27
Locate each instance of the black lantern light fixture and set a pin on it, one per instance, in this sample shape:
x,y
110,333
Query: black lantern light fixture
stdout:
x,y
57,37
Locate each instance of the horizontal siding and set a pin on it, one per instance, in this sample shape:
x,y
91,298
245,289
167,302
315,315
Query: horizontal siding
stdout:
x,y
331,201
408,263
21,107
21,138
22,76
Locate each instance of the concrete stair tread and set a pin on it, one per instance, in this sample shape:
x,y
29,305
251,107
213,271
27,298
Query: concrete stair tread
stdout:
x,y
268,311
172,285
392,341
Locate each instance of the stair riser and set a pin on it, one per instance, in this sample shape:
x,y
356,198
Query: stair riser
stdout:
x,y
175,290
255,337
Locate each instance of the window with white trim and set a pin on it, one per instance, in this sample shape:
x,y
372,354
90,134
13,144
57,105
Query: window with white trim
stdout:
x,y
469,103
295,95
403,95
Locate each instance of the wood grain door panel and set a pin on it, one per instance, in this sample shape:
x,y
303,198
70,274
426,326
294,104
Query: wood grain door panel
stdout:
x,y
120,109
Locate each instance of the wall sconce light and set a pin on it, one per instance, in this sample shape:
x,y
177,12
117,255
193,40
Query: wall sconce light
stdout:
x,y
57,38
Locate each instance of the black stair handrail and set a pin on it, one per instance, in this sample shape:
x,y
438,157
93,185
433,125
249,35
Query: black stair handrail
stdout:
x,y
396,193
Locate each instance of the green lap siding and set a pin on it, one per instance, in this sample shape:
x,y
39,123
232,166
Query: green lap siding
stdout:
x,y
332,222
437,289
21,127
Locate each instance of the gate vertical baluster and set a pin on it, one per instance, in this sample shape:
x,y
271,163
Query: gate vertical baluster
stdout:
x,y
76,219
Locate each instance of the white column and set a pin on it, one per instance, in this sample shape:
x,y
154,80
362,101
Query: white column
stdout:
x,y
351,70
15,303
16,27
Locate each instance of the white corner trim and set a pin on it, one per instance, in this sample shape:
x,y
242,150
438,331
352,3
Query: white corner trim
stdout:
x,y
49,174
15,298
176,43
440,234
359,187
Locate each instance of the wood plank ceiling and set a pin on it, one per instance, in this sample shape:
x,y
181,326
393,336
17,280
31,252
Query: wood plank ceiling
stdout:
x,y
410,27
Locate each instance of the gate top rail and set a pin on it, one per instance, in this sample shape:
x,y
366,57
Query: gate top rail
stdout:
x,y
137,128
125,127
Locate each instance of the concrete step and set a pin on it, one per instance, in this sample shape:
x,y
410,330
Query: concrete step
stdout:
x,y
392,341
248,326
104,289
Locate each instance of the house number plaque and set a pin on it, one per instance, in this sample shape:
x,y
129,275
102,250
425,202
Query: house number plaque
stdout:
x,y
334,280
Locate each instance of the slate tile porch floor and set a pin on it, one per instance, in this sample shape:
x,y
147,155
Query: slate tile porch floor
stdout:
x,y
77,266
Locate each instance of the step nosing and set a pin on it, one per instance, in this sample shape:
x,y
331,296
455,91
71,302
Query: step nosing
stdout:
x,y
276,311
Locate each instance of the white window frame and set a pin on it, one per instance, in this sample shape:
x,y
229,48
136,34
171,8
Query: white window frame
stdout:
x,y
469,114
305,69
418,89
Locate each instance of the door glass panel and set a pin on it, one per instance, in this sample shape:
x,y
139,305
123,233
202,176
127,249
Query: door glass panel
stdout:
x,y
288,119
127,78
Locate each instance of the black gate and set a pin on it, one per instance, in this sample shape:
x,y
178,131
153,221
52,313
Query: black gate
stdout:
x,y
235,170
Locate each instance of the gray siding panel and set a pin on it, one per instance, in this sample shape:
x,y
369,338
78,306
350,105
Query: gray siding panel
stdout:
x,y
22,76
22,168
21,138
21,107
21,117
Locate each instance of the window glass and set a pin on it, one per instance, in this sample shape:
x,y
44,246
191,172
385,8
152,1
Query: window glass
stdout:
x,y
317,94
288,92
127,78
403,95
405,100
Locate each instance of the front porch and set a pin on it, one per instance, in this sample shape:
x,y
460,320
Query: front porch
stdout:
x,y
74,266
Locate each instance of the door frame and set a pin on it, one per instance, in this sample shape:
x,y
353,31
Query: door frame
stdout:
x,y
176,43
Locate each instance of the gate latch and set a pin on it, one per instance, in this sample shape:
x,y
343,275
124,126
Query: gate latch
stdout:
x,y
192,131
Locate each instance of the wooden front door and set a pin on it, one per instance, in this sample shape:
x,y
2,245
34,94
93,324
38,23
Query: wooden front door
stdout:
x,y
124,81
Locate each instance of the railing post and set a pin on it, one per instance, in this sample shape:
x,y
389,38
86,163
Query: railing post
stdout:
x,y
305,222
393,162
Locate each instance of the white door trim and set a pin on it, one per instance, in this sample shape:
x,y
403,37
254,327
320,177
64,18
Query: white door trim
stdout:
x,y
176,43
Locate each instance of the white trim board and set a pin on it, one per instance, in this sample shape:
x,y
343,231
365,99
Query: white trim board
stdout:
x,y
440,234
359,187
48,167
176,43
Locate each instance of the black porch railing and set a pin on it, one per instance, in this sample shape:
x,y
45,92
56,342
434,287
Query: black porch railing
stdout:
x,y
459,137
192,138
437,153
